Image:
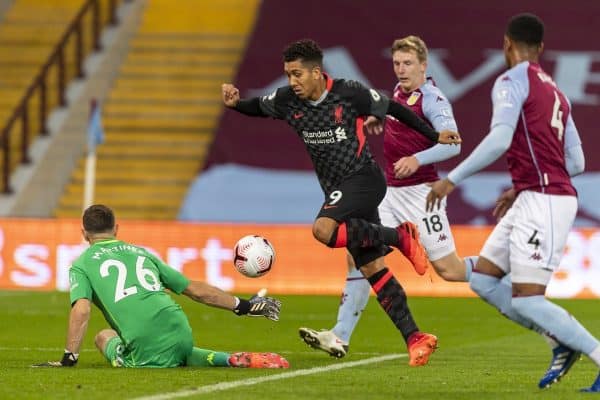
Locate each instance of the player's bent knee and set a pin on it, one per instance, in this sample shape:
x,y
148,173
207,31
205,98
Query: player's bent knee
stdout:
x,y
448,274
320,234
373,267
323,229
103,337
482,284
450,268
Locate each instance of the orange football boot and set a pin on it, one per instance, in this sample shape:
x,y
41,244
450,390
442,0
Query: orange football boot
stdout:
x,y
257,360
411,247
420,346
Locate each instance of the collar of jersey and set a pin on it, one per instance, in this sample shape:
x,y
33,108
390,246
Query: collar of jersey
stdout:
x,y
106,241
328,86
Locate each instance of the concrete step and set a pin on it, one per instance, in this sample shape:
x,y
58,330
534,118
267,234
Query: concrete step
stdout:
x,y
126,190
150,151
159,57
179,71
103,175
161,108
149,165
126,125
143,96
134,138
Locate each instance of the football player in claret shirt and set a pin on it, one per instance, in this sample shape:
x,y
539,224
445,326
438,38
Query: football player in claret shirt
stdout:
x,y
533,125
328,115
409,170
148,329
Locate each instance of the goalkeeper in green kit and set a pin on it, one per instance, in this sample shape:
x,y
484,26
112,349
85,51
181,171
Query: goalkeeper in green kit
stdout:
x,y
149,329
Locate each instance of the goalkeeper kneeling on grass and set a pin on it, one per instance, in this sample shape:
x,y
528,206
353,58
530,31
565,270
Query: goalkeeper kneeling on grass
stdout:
x,y
149,329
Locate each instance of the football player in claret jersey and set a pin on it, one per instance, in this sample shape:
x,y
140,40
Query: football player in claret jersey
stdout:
x,y
328,115
532,123
409,169
149,329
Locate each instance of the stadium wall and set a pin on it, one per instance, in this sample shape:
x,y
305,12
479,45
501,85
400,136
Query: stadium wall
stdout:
x,y
465,43
36,255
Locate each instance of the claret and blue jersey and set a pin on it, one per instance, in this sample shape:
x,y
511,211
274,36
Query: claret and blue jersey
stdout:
x,y
526,99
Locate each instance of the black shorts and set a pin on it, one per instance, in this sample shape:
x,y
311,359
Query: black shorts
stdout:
x,y
358,197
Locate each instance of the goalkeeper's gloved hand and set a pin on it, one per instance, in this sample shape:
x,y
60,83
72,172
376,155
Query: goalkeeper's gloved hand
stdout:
x,y
69,360
258,306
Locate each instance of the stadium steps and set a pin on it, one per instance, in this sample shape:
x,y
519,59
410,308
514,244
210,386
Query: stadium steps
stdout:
x,y
28,33
160,116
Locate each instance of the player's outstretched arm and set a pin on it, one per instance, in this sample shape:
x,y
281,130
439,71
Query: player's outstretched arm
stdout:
x,y
257,306
449,137
231,98
78,323
412,120
230,94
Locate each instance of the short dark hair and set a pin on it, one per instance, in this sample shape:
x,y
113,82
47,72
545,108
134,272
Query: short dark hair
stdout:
x,y
305,50
526,28
98,218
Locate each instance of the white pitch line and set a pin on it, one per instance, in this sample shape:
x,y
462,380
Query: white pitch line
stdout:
x,y
254,381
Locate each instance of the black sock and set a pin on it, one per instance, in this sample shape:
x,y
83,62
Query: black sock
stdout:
x,y
393,300
361,233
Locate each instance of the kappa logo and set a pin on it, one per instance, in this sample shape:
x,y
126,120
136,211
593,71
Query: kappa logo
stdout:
x,y
536,256
337,114
340,134
343,298
442,237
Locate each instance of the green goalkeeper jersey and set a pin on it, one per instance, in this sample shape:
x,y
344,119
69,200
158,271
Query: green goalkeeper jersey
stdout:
x,y
127,284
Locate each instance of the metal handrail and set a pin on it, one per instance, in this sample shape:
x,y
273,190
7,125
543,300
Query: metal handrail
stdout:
x,y
40,82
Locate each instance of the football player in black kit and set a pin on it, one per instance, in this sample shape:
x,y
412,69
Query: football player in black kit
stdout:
x,y
329,116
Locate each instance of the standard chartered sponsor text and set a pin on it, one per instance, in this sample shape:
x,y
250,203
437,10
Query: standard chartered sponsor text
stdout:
x,y
318,137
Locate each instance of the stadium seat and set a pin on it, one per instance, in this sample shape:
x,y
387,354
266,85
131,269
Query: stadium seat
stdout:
x,y
160,115
29,32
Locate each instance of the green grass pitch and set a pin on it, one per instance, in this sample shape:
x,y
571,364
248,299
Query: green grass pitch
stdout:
x,y
481,355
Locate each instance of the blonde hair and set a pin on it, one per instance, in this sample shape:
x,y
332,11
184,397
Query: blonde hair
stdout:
x,y
413,43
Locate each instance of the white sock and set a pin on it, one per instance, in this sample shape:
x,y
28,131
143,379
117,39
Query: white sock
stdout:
x,y
470,263
545,335
556,320
498,293
354,299
550,340
595,356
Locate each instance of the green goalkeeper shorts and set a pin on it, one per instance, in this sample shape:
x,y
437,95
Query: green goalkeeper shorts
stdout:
x,y
118,355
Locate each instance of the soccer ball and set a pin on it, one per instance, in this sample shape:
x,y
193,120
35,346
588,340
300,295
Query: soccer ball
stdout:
x,y
253,256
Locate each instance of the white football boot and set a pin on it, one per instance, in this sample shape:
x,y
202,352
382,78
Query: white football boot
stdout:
x,y
324,340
